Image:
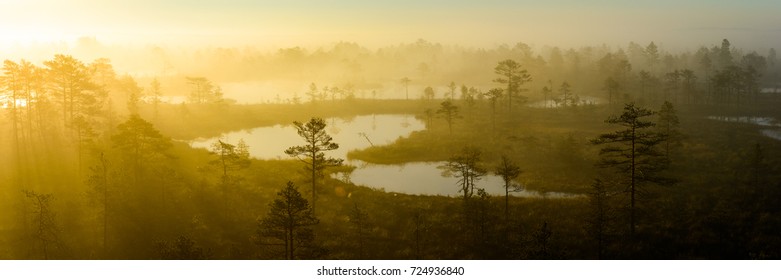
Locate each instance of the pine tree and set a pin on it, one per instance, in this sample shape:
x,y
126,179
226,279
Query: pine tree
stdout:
x,y
140,144
493,96
183,248
508,170
313,153
406,81
449,112
601,215
359,220
668,124
632,152
290,221
46,231
230,158
467,167
513,77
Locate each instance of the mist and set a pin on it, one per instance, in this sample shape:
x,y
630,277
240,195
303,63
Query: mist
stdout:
x,y
422,130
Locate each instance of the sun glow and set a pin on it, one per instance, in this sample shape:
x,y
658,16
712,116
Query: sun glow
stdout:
x,y
7,102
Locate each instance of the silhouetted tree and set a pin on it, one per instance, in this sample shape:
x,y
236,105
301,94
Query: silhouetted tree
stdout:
x,y
724,84
668,127
132,92
31,83
749,78
428,93
203,91
632,152
449,112
611,86
542,242
183,248
10,83
324,93
733,83
467,167
45,228
69,79
672,85
546,93
481,221
468,97
80,98
647,82
156,94
452,93
465,93
689,80
513,77
313,93
98,181
290,221
493,96
140,145
725,54
359,220
566,98
600,216
421,227
508,170
429,113
313,153
651,55
230,158
406,81
334,91
622,69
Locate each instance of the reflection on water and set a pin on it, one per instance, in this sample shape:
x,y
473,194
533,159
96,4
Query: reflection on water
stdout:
x,y
582,100
279,91
362,132
763,121
425,178
774,133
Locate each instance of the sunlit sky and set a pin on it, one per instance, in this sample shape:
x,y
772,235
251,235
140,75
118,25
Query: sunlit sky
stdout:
x,y
674,24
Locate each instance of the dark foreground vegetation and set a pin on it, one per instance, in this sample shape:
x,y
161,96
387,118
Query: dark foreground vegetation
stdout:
x,y
93,171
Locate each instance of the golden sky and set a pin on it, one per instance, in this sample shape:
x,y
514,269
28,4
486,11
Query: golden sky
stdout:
x,y
686,24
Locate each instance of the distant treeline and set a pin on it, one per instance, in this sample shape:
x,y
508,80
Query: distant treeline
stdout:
x,y
91,171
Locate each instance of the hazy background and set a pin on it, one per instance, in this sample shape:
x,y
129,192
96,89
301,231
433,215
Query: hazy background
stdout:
x,y
219,39
92,92
274,24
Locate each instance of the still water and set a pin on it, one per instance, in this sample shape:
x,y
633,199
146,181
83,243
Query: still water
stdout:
x,y
582,100
270,142
357,133
770,126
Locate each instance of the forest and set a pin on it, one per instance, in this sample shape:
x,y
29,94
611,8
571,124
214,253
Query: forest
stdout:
x,y
597,152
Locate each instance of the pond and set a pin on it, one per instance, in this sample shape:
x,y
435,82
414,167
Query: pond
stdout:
x,y
361,132
270,142
770,126
582,100
426,178
284,91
